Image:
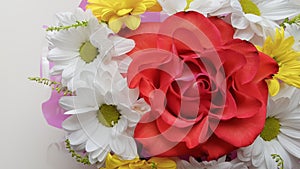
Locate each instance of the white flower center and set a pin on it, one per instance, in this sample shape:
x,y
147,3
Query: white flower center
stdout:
x,y
271,129
108,115
249,7
88,52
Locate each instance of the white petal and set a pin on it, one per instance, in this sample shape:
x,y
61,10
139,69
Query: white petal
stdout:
x,y
253,18
62,55
291,121
291,145
77,137
129,114
172,6
103,155
239,21
277,10
124,146
99,139
57,69
77,102
67,102
257,29
76,122
258,153
69,71
120,127
80,111
244,34
87,97
95,154
236,5
67,40
124,64
80,136
92,160
122,45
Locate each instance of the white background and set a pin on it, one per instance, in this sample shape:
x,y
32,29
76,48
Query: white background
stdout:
x,y
26,141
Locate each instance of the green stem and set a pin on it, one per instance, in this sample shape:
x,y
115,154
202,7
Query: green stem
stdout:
x,y
295,20
59,28
57,86
84,160
278,160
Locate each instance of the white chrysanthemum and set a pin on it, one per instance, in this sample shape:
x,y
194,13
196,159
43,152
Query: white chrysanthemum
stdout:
x,y
205,7
103,117
294,30
219,164
75,45
255,19
281,134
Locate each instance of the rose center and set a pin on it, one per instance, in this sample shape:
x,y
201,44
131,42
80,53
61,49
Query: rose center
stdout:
x,y
108,115
271,129
88,52
249,7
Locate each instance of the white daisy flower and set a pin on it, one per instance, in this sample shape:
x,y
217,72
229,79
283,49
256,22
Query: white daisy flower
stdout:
x,y
79,42
255,19
171,7
281,135
294,30
219,164
104,117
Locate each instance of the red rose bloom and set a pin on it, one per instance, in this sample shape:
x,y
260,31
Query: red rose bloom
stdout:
x,y
207,91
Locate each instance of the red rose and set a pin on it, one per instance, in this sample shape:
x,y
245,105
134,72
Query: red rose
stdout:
x,y
207,90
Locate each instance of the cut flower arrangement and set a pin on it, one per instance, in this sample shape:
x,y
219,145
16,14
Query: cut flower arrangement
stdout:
x,y
166,84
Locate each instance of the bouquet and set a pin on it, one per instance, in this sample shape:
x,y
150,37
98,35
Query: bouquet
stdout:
x,y
166,84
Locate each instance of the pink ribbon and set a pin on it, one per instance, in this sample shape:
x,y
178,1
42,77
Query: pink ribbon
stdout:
x,y
83,4
52,112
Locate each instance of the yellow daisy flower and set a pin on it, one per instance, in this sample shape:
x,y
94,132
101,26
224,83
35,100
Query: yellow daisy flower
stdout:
x,y
119,12
114,162
281,50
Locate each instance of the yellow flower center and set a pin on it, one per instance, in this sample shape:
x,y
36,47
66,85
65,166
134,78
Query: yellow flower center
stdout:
x,y
88,52
249,7
271,129
108,115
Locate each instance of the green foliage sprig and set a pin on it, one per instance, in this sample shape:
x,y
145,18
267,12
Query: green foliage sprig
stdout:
x,y
278,160
295,20
153,165
59,28
57,86
84,160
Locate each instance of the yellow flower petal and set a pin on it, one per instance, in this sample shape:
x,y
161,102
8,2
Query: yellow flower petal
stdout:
x,y
107,14
139,10
163,163
155,8
111,10
149,3
274,86
114,162
123,12
115,23
281,50
132,22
